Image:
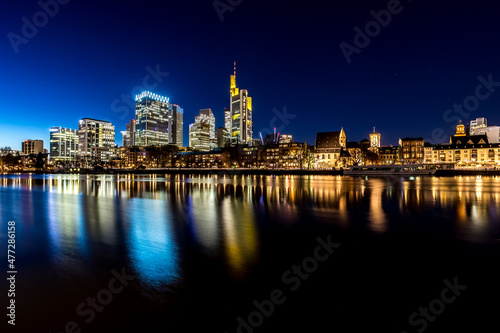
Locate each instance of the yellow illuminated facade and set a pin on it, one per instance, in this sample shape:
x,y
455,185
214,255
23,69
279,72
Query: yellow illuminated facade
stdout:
x,y
466,150
374,139
239,121
460,130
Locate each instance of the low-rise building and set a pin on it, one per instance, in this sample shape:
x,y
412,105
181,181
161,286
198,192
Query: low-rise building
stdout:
x,y
209,159
328,148
285,155
411,150
388,155
467,150
30,147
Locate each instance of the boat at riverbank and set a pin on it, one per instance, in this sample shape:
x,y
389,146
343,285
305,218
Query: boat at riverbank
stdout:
x,y
392,169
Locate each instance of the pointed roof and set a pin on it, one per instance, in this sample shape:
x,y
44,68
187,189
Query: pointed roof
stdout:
x,y
328,139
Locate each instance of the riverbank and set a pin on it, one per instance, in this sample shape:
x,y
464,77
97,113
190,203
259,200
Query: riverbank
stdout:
x,y
257,172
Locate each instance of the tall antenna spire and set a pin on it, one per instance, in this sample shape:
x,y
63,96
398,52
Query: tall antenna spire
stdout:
x,y
235,68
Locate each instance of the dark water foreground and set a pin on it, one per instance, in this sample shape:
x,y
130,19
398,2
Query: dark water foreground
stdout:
x,y
144,253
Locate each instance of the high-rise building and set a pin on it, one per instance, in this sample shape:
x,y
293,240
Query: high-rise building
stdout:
x,y
177,117
32,147
477,123
152,126
63,144
227,119
157,122
241,128
492,132
208,117
128,135
96,140
222,137
199,136
203,137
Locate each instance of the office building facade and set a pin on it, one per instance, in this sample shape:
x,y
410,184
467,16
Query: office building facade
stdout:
x,y
157,122
207,116
128,138
177,119
241,121
223,138
492,132
199,136
93,133
63,144
32,147
477,124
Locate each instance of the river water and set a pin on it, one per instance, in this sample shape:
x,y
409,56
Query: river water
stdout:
x,y
191,253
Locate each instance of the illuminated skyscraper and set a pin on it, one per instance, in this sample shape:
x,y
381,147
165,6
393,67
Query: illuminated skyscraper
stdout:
x,y
207,116
96,140
199,136
222,137
241,114
157,122
63,144
177,116
202,131
128,134
227,119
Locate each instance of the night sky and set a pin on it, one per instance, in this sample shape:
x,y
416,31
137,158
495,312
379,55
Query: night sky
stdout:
x,y
81,62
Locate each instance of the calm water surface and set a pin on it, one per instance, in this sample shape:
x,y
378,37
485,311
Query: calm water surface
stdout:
x,y
200,250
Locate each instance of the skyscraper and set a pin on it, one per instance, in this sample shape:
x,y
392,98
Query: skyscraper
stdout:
x,y
199,136
202,131
241,114
96,140
157,122
152,126
227,119
207,116
222,137
177,116
63,144
128,134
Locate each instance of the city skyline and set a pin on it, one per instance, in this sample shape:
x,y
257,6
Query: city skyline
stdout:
x,y
302,74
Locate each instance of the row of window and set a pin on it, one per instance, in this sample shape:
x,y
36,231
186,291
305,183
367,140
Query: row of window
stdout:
x,y
323,156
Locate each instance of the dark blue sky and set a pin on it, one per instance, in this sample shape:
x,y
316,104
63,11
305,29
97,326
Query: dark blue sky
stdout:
x,y
90,53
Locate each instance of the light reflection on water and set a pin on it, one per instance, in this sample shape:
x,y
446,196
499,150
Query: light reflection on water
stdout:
x,y
153,251
146,213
